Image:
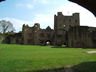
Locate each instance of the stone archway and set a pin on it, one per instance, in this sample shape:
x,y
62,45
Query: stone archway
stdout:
x,y
48,42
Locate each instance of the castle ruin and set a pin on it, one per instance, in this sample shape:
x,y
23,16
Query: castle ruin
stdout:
x,y
67,31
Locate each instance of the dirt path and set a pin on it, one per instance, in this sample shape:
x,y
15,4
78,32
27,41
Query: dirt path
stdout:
x,y
91,51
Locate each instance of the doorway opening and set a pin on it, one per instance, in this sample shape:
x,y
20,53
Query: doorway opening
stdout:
x,y
48,42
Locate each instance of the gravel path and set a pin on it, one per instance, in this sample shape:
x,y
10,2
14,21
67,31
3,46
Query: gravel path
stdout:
x,y
91,51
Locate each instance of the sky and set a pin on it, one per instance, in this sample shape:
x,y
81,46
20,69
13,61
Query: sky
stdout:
x,y
20,12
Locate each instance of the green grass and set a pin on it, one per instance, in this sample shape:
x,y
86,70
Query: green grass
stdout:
x,y
24,58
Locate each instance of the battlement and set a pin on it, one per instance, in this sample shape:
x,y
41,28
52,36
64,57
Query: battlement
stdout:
x,y
59,13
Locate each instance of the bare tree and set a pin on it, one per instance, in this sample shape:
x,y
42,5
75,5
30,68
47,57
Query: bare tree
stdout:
x,y
6,26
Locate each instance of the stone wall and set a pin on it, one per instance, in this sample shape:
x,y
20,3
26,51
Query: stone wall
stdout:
x,y
46,35
80,36
1,38
15,38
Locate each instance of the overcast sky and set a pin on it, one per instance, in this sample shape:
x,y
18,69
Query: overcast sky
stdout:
x,y
41,11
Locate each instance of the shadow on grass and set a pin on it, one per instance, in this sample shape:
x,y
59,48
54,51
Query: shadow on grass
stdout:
x,y
50,70
85,67
71,47
82,67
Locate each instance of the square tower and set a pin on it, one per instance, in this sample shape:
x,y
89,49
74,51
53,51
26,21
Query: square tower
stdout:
x,y
65,22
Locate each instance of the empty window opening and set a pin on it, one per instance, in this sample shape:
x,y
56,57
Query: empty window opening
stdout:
x,y
36,26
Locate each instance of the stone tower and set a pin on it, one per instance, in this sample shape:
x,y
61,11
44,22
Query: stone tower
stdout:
x,y
65,22
61,26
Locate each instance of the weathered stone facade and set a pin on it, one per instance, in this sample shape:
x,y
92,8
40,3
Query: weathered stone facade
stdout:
x,y
14,38
37,36
62,24
81,36
67,31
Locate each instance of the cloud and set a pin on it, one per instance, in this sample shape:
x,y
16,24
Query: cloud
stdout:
x,y
86,17
44,20
41,1
29,6
17,23
44,1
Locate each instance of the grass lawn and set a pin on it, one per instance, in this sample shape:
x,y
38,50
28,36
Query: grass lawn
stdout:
x,y
28,58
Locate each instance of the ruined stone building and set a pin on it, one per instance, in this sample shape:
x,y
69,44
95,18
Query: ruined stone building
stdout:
x,y
67,31
37,36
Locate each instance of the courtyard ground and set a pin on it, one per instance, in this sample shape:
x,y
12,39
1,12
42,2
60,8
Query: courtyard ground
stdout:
x,y
29,58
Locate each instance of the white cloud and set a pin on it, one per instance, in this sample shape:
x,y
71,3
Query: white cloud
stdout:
x,y
29,6
44,1
17,23
41,1
44,20
86,17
